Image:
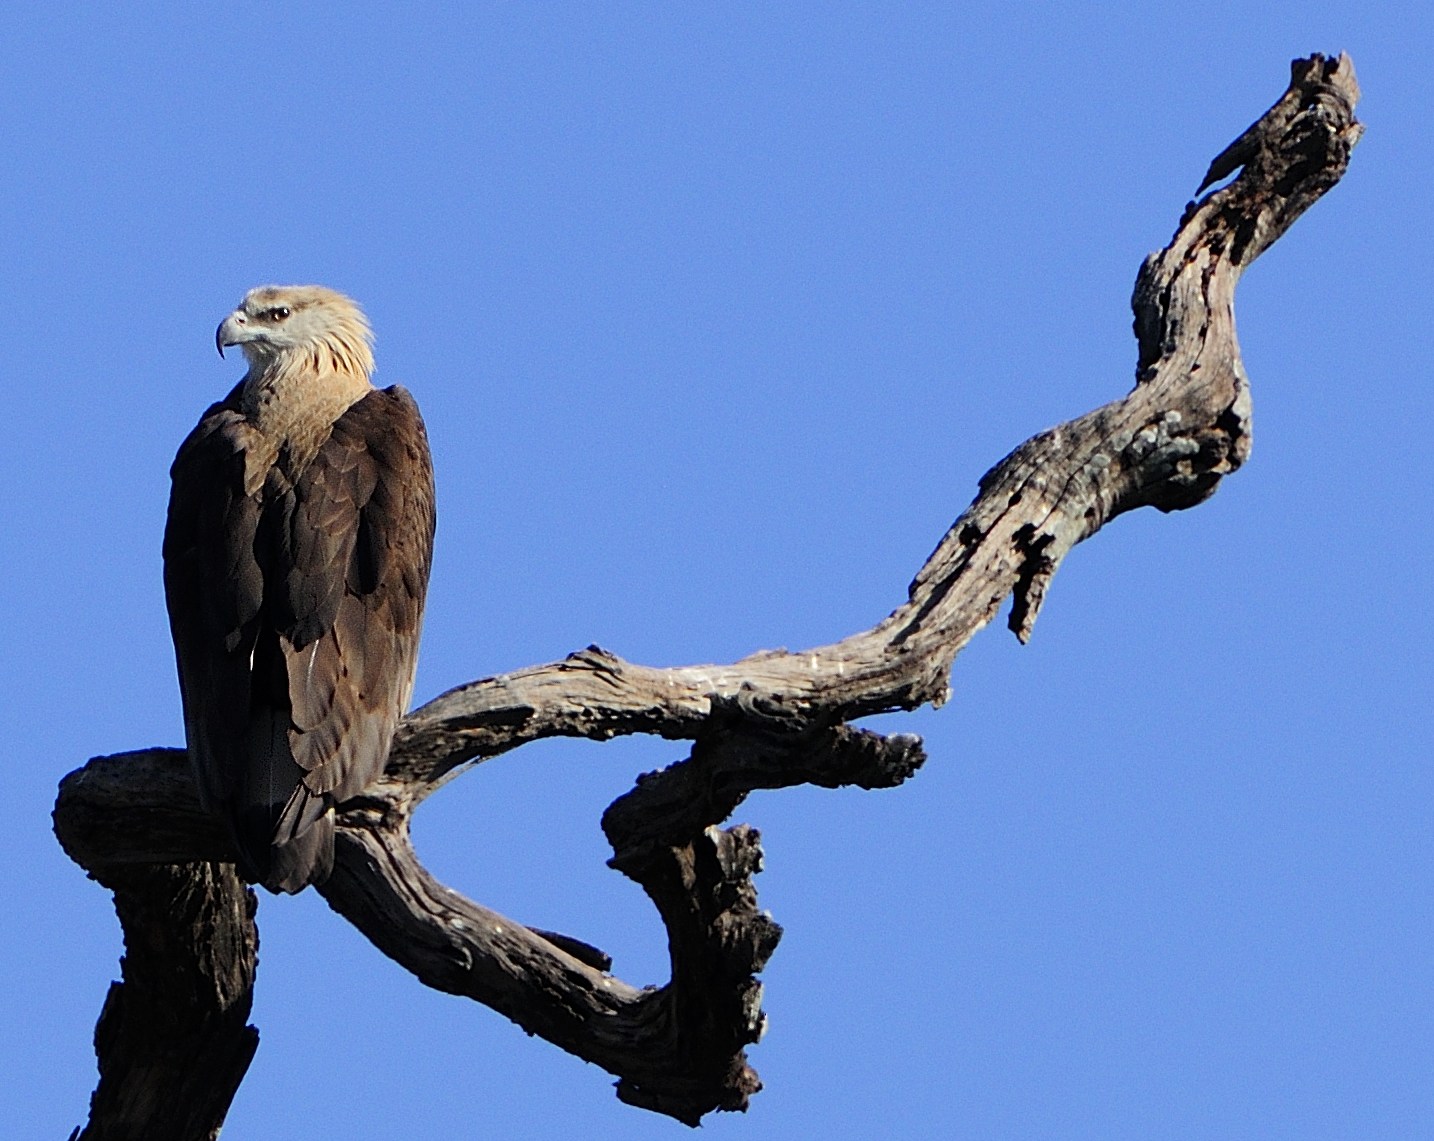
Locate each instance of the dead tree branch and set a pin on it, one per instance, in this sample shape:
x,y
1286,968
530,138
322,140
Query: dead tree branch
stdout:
x,y
769,721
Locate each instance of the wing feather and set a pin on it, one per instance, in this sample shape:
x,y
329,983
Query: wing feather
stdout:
x,y
362,533
214,589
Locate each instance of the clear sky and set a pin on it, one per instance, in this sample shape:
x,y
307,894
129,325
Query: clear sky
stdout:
x,y
716,314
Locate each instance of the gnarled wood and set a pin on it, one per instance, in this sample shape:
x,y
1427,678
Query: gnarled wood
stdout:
x,y
173,1039
779,718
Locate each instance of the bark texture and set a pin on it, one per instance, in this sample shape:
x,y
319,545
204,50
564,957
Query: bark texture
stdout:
x,y
768,721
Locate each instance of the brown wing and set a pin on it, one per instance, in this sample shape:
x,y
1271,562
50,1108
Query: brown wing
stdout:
x,y
355,542
214,590
342,549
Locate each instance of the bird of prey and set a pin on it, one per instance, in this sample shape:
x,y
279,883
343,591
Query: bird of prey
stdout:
x,y
296,558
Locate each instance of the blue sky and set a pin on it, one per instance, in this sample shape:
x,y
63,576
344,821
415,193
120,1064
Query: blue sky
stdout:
x,y
716,316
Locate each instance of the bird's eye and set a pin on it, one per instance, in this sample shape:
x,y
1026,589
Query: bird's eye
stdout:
x,y
278,313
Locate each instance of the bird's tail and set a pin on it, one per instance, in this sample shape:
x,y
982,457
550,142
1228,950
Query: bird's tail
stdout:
x,y
303,859
284,832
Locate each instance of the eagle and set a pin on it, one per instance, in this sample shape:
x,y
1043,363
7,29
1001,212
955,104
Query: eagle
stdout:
x,y
296,556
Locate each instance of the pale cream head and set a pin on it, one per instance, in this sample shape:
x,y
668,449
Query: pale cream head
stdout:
x,y
278,326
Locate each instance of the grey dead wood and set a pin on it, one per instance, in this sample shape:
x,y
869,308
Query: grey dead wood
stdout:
x,y
771,720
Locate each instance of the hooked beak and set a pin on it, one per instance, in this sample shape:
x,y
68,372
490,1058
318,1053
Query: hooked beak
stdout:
x,y
230,331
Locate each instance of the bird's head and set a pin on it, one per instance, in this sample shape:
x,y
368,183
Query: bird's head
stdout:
x,y
279,324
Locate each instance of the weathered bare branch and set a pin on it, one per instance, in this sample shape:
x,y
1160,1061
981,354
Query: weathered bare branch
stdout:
x,y
776,718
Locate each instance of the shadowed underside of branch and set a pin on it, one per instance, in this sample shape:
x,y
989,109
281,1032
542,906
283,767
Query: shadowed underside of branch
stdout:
x,y
768,721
